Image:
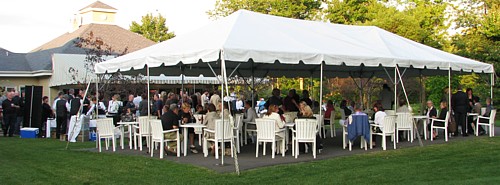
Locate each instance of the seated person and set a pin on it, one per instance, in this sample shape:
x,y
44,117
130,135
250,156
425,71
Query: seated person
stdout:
x,y
279,121
209,121
487,113
378,119
442,116
187,117
358,110
200,110
225,106
429,112
328,112
403,108
305,112
170,120
347,111
249,113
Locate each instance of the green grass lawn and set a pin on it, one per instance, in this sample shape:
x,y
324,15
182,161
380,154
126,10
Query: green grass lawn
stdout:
x,y
40,161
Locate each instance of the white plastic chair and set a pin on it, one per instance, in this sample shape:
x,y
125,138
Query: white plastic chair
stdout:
x,y
158,136
223,133
198,130
305,132
404,122
238,127
390,112
387,128
332,124
106,130
363,142
249,131
267,133
142,130
321,125
490,124
445,127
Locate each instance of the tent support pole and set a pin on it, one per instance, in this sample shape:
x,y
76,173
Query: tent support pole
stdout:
x,y
222,72
395,88
321,94
149,104
97,97
409,106
449,90
253,86
492,83
71,134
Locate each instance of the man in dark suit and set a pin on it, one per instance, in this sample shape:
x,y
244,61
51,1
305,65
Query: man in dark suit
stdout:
x,y
61,116
459,103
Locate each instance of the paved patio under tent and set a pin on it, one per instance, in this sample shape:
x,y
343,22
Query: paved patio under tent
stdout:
x,y
247,159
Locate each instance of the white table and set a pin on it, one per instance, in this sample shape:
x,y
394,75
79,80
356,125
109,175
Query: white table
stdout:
x,y
122,129
185,133
424,121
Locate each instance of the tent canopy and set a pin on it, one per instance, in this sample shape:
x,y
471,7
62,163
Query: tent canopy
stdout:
x,y
254,43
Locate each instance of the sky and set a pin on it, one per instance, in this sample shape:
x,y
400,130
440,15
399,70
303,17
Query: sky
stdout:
x,y
27,24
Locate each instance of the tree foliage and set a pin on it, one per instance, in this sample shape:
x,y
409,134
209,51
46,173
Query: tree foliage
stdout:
x,y
298,9
97,51
421,21
153,28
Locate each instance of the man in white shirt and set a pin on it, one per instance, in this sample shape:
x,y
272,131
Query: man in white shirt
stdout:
x,y
215,99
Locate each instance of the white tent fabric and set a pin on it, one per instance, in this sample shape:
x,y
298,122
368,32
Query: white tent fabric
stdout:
x,y
253,42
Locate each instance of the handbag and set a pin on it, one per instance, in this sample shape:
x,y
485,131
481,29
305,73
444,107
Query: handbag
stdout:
x,y
452,125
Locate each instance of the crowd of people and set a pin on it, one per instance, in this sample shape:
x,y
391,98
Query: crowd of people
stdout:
x,y
174,109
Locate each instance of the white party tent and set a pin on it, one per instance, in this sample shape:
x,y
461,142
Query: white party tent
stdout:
x,y
250,41
252,44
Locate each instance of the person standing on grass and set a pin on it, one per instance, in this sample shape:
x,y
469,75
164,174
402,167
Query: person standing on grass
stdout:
x,y
19,101
46,113
143,105
9,115
460,103
61,116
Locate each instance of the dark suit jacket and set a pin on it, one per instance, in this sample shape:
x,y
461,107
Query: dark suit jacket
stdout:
x,y
459,102
432,112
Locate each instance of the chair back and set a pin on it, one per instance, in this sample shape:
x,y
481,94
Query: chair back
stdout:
x,y
105,127
306,128
238,122
319,120
332,117
389,124
404,120
144,127
198,118
290,116
493,113
342,114
265,128
483,110
156,129
223,128
390,112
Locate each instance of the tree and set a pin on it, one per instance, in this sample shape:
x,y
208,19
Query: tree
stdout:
x,y
297,9
420,21
97,51
153,28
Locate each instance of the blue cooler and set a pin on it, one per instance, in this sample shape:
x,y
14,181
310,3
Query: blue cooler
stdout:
x,y
92,136
29,132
